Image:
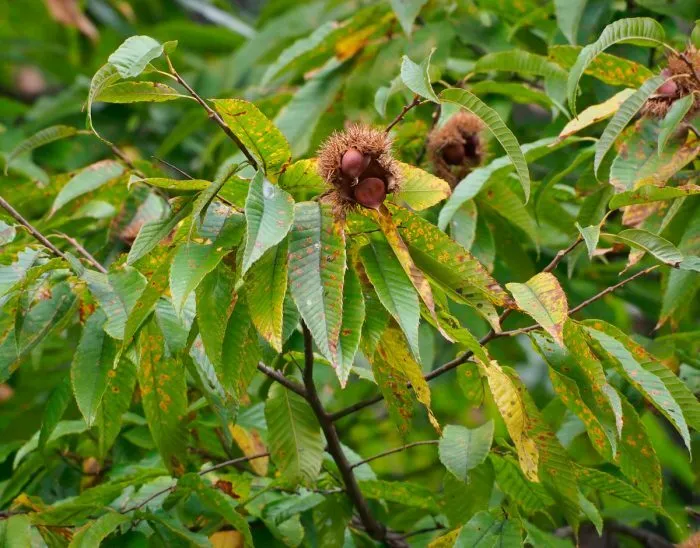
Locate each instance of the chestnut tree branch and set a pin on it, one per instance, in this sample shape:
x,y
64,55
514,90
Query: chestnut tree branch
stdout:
x,y
374,528
416,101
491,335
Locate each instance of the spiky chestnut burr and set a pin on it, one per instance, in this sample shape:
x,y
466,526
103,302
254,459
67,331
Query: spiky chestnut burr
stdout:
x,y
684,83
457,147
358,166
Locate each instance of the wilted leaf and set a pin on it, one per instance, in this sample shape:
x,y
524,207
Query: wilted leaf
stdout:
x,y
421,190
595,114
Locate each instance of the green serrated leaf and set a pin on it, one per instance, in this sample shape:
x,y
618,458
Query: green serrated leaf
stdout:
x,y
316,270
462,449
294,436
269,212
673,118
94,532
240,351
87,180
623,116
520,61
652,193
351,326
657,246
132,56
417,77
639,29
39,139
135,92
92,363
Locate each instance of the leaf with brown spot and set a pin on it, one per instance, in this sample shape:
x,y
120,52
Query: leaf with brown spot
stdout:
x,y
164,396
250,443
542,298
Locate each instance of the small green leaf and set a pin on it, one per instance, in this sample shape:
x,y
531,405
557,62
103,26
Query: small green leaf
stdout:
x,y
94,532
41,138
351,326
115,402
673,118
302,180
240,351
462,449
134,92
216,296
87,180
417,77
92,363
152,233
269,212
485,531
496,125
16,532
637,30
132,56
404,493
520,61
569,14
421,190
406,12
56,406
544,300
657,246
591,235
266,286
294,436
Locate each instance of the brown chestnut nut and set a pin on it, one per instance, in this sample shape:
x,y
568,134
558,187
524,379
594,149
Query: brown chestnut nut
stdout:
x,y
370,192
354,163
453,154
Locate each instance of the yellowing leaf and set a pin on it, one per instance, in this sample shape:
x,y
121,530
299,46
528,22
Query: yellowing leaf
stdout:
x,y
512,409
251,444
595,113
543,298
420,189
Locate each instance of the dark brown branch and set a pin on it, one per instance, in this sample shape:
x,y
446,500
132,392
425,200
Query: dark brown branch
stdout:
x,y
213,468
491,335
373,528
416,101
213,115
395,450
280,378
45,241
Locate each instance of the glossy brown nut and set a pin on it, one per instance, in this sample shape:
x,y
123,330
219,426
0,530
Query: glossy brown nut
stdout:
x,y
453,154
667,88
353,163
370,192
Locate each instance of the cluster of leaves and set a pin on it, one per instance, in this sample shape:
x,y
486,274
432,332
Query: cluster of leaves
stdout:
x,y
171,345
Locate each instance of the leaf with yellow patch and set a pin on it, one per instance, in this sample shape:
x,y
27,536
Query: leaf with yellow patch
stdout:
x,y
164,396
542,298
595,114
420,189
511,407
257,133
251,444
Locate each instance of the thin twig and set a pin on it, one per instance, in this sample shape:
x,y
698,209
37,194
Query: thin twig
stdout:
x,y
119,153
491,335
280,378
33,231
374,528
213,114
173,167
213,468
84,252
395,450
416,101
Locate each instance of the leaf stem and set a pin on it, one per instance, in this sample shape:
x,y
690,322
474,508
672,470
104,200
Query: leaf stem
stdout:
x,y
394,450
416,101
212,114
